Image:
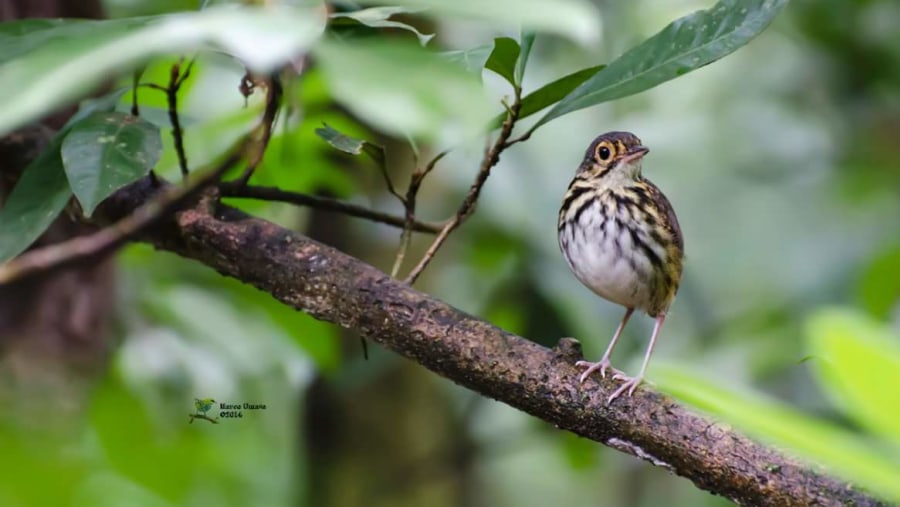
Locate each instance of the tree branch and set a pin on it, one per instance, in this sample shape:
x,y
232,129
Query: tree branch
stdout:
x,y
263,193
334,287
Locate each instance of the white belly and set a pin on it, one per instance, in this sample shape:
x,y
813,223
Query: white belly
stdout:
x,y
603,257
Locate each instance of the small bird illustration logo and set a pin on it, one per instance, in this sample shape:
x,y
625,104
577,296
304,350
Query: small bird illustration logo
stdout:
x,y
202,406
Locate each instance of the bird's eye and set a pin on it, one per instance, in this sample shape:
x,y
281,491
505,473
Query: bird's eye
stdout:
x,y
603,153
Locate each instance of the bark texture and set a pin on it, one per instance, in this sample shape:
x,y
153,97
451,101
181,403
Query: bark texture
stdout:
x,y
335,287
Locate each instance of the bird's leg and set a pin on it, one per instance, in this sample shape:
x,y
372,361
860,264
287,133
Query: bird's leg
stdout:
x,y
603,363
631,383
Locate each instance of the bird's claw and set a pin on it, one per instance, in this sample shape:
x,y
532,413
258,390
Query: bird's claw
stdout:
x,y
629,384
627,387
601,365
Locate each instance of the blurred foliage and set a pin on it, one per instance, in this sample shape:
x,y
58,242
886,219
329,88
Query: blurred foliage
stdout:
x,y
780,159
856,358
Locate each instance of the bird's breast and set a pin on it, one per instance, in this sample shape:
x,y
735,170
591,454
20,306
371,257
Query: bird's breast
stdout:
x,y
617,250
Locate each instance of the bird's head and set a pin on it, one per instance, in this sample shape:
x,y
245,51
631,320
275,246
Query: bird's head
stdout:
x,y
613,156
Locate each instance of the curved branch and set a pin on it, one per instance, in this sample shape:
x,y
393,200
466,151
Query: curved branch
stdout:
x,y
334,287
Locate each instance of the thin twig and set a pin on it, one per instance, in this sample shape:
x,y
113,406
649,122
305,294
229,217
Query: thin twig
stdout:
x,y
523,137
405,239
491,157
234,189
176,79
135,84
409,205
390,184
273,103
430,166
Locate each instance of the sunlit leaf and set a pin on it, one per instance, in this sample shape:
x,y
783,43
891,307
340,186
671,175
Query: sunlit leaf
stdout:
x,y
685,45
403,89
857,360
817,441
576,19
106,151
503,59
62,61
377,17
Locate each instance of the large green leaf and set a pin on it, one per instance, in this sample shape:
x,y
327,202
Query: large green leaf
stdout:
x,y
106,151
36,200
378,17
554,91
815,440
577,19
685,45
857,360
402,88
62,61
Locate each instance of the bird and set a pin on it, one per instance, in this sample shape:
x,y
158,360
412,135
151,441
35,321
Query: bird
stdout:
x,y
203,405
621,239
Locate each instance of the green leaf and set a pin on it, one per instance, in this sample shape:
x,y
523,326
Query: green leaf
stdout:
x,y
576,19
858,364
527,42
685,45
550,93
554,91
472,59
503,59
43,190
64,60
106,151
815,440
377,17
35,202
403,89
108,102
351,145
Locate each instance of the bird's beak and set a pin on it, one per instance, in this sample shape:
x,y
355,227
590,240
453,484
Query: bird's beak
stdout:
x,y
635,153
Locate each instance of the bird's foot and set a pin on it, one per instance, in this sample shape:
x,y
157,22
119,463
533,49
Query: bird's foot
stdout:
x,y
628,386
601,365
